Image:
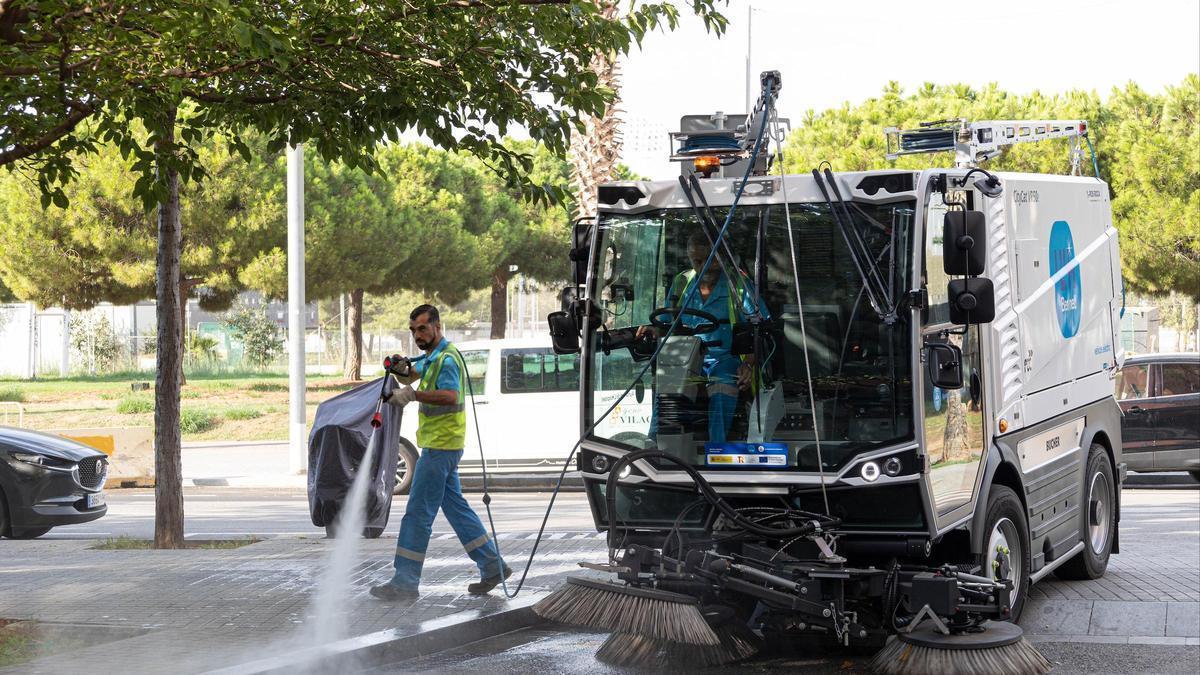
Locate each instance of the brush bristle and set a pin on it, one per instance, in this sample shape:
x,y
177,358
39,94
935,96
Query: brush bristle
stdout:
x,y
636,651
610,609
902,658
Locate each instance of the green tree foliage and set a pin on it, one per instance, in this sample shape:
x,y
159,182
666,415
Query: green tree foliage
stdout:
x,y
1146,145
259,335
94,344
100,247
341,76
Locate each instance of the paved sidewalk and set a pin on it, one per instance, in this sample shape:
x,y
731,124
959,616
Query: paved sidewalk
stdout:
x,y
205,609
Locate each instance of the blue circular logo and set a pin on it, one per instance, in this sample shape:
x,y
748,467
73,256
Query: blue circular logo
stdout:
x,y
1068,298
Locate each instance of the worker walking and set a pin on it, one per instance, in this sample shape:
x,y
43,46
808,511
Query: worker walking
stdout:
x,y
441,432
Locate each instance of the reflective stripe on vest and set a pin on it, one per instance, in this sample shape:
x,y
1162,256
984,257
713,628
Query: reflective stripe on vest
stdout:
x,y
442,426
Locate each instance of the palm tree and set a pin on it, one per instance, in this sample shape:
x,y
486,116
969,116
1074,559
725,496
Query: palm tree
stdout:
x,y
594,153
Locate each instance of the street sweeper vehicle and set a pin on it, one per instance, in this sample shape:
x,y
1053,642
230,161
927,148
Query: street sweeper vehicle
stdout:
x,y
881,400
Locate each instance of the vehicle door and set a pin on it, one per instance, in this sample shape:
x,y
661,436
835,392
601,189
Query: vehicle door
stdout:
x,y
1137,424
478,404
1177,416
538,406
953,418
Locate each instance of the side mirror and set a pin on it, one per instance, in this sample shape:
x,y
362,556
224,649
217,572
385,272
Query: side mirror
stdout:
x,y
964,243
569,295
944,365
581,246
564,332
972,301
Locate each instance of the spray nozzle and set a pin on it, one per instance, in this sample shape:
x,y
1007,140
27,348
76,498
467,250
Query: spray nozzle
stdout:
x,y
376,420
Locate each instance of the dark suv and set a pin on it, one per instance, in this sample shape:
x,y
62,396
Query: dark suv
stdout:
x,y
1160,397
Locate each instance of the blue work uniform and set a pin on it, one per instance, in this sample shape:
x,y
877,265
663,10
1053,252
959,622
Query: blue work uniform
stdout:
x,y
436,485
720,365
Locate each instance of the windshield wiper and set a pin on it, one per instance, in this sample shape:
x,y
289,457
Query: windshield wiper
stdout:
x,y
708,223
877,291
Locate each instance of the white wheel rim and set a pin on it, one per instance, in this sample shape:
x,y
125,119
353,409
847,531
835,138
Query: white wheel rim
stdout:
x,y
1099,498
401,469
1004,542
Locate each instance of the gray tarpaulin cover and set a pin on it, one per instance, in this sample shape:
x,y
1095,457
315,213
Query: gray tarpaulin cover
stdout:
x,y
336,444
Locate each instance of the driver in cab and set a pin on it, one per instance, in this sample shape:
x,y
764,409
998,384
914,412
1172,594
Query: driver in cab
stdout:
x,y
715,294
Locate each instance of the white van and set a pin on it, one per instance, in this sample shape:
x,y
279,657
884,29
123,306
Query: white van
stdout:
x,y
526,400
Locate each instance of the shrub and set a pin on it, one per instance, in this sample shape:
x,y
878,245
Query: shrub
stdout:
x,y
12,394
193,421
268,386
93,343
258,334
242,413
132,405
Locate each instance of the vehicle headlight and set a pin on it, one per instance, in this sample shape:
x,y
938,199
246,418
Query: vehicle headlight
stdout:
x,y
892,466
599,463
30,458
870,472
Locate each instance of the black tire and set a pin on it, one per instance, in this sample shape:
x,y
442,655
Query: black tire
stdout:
x,y
1006,543
3,515
372,532
1098,520
1195,475
406,462
31,533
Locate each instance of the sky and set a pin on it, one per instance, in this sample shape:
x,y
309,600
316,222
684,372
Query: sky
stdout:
x,y
830,53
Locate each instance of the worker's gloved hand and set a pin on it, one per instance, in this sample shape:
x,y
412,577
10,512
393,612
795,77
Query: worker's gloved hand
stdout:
x,y
397,365
402,396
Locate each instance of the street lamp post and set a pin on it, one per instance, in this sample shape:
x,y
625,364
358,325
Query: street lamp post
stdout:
x,y
297,430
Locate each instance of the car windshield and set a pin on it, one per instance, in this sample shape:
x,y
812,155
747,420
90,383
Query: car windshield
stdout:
x,y
703,391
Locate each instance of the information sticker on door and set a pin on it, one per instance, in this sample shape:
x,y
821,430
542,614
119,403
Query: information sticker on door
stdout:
x,y
747,455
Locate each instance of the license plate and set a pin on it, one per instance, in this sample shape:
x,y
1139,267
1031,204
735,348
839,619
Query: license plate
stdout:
x,y
96,500
747,455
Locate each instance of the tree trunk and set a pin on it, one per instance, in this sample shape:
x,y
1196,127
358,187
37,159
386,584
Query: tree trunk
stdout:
x,y
354,325
168,475
499,301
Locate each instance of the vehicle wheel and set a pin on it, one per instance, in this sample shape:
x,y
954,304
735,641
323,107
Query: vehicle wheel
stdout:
x,y
1099,520
1195,475
3,515
406,463
32,533
1006,550
372,532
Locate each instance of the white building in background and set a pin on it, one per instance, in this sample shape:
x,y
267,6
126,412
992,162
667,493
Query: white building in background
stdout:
x,y
645,146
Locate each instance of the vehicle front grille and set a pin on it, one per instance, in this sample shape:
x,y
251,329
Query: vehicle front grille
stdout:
x,y
92,472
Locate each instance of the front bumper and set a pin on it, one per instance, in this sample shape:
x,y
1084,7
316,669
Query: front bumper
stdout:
x,y
45,497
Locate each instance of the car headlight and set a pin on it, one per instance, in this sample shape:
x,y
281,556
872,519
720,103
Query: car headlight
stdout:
x,y
29,458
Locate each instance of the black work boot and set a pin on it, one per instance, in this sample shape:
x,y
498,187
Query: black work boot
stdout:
x,y
394,593
482,587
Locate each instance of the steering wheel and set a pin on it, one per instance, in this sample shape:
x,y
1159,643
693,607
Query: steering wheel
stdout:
x,y
663,317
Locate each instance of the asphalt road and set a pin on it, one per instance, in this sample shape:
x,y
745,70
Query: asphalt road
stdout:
x,y
221,513
1155,522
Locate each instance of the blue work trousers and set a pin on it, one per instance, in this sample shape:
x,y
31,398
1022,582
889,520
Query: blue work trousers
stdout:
x,y
436,485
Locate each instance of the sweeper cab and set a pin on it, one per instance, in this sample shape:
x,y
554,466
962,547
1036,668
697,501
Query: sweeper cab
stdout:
x,y
920,423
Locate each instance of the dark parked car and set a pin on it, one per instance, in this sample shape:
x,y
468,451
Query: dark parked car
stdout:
x,y
1160,397
46,481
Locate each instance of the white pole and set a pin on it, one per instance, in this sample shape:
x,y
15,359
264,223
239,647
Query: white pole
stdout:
x,y
297,431
64,364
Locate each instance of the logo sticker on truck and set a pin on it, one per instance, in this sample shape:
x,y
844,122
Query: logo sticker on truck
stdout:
x,y
1067,293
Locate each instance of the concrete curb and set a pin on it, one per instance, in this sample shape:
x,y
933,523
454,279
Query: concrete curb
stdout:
x,y
394,645
1173,479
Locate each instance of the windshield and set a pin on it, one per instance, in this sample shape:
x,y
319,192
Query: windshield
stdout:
x,y
734,373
